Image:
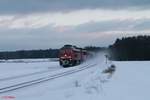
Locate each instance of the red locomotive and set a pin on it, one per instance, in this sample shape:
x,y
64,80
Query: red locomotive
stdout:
x,y
70,55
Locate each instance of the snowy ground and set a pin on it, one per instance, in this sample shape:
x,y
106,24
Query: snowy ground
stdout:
x,y
16,67
129,82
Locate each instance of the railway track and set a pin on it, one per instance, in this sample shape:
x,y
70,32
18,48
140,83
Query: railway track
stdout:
x,y
26,75
43,79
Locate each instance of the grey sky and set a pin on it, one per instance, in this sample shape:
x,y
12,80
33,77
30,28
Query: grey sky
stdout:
x,y
30,6
42,24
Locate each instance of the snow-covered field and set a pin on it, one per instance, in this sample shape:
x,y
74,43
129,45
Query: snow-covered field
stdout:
x,y
19,67
130,81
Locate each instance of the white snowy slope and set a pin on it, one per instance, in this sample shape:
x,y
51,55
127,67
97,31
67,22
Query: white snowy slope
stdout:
x,y
130,81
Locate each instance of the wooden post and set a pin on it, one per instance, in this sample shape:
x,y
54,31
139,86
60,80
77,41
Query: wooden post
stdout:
x,y
106,56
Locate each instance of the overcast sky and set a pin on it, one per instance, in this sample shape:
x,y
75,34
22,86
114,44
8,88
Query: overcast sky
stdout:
x,y
43,24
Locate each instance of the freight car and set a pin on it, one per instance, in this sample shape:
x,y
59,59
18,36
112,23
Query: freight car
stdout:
x,y
70,55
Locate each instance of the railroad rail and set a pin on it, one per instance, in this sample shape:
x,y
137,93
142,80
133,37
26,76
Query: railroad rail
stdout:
x,y
29,74
43,79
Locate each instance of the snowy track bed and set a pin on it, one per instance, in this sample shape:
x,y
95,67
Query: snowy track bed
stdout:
x,y
42,79
14,69
74,83
29,74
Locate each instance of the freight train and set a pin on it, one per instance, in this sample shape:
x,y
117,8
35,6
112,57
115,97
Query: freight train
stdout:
x,y
70,55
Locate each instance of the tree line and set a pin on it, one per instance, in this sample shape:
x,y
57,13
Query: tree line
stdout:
x,y
48,53
131,48
23,54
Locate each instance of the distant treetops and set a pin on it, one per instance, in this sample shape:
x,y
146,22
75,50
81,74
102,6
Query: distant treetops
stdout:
x,y
131,48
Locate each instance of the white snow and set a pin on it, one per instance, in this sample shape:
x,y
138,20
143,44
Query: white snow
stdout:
x,y
9,68
130,81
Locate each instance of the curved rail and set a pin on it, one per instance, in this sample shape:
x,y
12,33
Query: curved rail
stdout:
x,y
25,75
44,79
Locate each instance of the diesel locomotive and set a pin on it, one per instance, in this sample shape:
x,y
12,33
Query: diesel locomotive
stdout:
x,y
70,55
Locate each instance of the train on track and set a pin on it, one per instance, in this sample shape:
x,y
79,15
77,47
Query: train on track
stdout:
x,y
70,55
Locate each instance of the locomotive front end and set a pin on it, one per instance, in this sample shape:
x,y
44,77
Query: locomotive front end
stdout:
x,y
71,55
65,59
